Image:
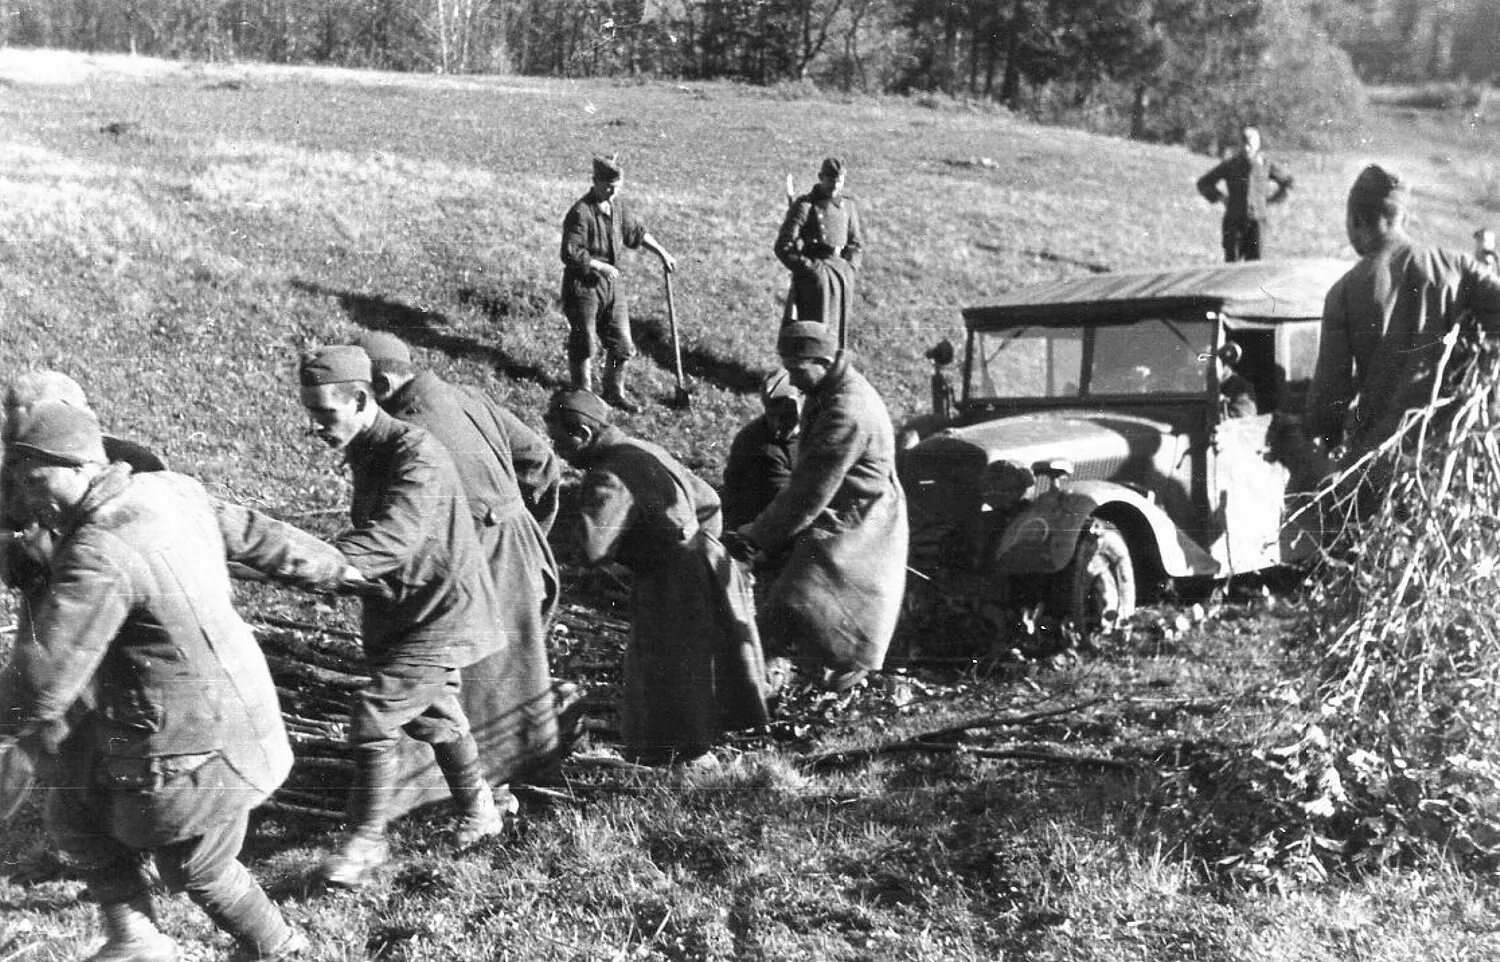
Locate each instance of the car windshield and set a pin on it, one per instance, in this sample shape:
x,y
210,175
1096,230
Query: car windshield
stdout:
x,y
1148,356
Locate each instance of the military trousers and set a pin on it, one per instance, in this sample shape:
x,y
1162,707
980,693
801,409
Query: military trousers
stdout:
x,y
597,316
195,823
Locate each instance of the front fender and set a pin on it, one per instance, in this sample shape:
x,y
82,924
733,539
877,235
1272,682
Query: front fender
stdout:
x,y
1041,539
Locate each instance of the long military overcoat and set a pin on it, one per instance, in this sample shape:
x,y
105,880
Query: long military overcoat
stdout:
x,y
694,667
820,243
413,531
482,438
841,522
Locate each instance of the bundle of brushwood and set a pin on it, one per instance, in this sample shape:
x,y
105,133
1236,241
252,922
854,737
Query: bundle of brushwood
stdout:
x,y
318,670
1406,613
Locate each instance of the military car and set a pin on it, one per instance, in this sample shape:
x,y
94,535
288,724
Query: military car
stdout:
x,y
1109,434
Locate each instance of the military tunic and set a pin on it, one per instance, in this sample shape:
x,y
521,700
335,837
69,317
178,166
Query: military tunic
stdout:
x,y
842,522
482,436
693,667
139,671
820,243
593,303
1383,325
1247,194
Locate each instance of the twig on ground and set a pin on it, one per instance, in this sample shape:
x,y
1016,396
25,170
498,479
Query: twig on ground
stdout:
x,y
926,739
1011,754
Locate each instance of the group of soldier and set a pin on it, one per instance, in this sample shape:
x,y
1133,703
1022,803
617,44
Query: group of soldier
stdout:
x,y
149,713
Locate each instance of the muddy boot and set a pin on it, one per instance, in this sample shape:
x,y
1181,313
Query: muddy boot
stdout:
x,y
131,935
364,847
239,906
479,817
582,374
614,387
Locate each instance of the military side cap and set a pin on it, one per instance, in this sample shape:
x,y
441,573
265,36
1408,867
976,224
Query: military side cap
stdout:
x,y
833,168
777,387
335,364
580,404
1375,187
607,168
384,349
803,339
57,432
34,387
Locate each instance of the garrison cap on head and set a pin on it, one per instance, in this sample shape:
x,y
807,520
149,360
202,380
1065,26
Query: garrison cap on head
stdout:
x,y
777,387
1376,187
34,387
607,168
583,405
832,168
335,364
58,433
384,350
802,339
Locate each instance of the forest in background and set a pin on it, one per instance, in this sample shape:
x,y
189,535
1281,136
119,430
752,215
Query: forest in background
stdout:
x,y
1170,71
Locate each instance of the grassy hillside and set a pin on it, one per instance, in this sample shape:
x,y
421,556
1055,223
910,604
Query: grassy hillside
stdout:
x,y
173,235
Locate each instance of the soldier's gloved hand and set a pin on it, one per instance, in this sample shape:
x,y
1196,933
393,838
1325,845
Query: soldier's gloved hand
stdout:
x,y
605,269
351,582
668,262
740,548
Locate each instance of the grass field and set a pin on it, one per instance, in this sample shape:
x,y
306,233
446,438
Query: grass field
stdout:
x,y
172,235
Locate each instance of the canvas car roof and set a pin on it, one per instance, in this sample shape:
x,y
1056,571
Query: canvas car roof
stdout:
x,y
1267,291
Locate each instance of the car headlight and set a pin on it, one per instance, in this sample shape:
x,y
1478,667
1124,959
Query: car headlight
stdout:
x,y
1006,484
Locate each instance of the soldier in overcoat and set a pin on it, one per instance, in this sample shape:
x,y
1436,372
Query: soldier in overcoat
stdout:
x,y
820,243
596,231
693,667
412,532
138,679
840,521
510,475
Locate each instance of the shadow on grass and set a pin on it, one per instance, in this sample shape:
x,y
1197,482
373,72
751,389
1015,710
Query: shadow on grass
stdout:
x,y
425,329
654,339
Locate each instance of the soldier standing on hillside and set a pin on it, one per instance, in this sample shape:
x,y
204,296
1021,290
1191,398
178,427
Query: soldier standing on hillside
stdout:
x,y
143,695
1247,179
1384,321
411,532
596,231
820,243
841,519
693,667
505,468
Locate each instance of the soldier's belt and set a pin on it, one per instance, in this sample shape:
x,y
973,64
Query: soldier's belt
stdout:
x,y
147,774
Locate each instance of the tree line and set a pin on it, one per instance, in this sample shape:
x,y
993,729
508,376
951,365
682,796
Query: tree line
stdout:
x,y
1181,71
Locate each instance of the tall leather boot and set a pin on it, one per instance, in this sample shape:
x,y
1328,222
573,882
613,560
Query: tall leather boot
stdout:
x,y
131,935
614,386
582,373
479,817
364,847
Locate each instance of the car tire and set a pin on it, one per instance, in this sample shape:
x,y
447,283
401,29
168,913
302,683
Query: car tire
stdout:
x,y
1097,588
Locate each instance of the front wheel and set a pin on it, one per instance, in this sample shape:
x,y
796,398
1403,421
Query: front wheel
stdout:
x,y
1097,588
